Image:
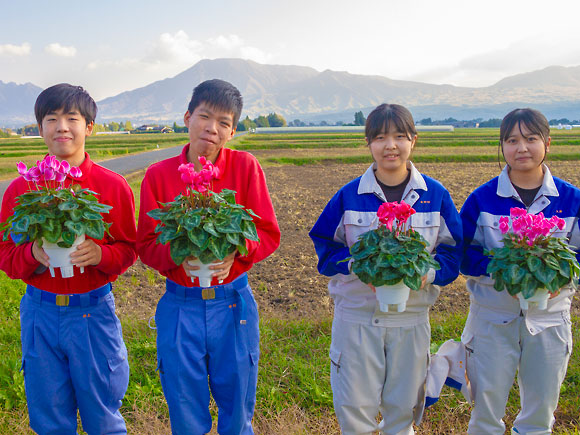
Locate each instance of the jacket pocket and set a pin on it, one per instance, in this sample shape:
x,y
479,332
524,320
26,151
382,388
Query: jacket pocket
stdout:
x,y
357,223
489,224
427,224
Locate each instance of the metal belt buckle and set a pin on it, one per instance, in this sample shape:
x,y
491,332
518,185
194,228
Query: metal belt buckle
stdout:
x,y
208,293
62,300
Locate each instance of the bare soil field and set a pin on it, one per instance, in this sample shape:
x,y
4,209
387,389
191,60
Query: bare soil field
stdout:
x,y
287,284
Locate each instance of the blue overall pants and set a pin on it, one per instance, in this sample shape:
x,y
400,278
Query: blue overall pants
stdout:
x,y
209,333
73,357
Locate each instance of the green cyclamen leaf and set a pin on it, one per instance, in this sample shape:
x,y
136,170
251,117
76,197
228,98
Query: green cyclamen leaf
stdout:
x,y
95,229
77,228
534,263
249,231
92,215
179,249
69,205
545,274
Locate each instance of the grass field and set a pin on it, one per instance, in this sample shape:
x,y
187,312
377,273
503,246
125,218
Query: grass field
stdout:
x,y
294,395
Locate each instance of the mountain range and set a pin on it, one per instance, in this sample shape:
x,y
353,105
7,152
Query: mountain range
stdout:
x,y
307,94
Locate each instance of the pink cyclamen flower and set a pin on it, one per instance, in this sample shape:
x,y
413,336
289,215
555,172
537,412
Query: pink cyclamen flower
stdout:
x,y
404,212
64,167
49,174
517,212
558,222
22,169
34,173
504,224
52,162
27,176
60,177
386,213
76,172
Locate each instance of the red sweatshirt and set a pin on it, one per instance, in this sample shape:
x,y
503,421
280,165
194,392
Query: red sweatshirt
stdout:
x,y
118,249
239,171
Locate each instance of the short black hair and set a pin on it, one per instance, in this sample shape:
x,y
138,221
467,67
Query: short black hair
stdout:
x,y
533,119
218,94
384,116
66,97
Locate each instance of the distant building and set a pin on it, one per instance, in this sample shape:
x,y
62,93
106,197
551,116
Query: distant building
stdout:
x,y
113,132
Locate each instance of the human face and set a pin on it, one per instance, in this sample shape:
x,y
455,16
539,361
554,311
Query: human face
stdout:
x,y
391,150
64,134
524,152
209,130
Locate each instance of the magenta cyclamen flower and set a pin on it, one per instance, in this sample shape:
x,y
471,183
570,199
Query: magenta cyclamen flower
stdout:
x,y
22,169
504,224
76,172
528,227
198,181
390,211
34,174
64,167
48,174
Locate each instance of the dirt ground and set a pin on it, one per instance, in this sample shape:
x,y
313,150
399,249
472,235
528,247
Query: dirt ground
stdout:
x,y
287,284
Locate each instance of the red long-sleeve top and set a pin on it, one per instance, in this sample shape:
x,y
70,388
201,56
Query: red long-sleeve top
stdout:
x,y
118,249
239,171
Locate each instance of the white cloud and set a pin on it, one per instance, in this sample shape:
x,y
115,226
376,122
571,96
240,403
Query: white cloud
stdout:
x,y
15,50
516,57
60,50
169,55
175,48
179,50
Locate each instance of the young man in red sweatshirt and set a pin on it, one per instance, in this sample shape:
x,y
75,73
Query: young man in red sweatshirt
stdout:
x,y
73,354
200,334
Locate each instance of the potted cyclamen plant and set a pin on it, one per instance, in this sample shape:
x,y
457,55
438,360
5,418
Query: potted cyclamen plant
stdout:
x,y
392,257
203,224
532,262
56,215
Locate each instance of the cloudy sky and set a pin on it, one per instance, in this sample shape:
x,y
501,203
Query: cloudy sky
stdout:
x,y
111,46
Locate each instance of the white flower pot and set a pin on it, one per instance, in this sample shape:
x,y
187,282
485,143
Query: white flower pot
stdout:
x,y
397,294
540,298
204,273
60,257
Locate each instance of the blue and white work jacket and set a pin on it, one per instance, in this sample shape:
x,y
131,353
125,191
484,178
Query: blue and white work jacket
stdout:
x,y
353,211
480,215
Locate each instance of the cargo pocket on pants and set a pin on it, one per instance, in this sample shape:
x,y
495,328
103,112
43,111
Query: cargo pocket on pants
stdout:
x,y
118,376
335,360
470,367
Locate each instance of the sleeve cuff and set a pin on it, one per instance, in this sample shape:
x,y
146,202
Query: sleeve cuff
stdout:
x,y
29,257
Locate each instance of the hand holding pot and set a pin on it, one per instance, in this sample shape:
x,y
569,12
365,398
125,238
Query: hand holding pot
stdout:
x,y
39,254
88,253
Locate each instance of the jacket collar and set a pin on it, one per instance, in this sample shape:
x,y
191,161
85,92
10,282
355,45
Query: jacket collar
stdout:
x,y
506,189
368,184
